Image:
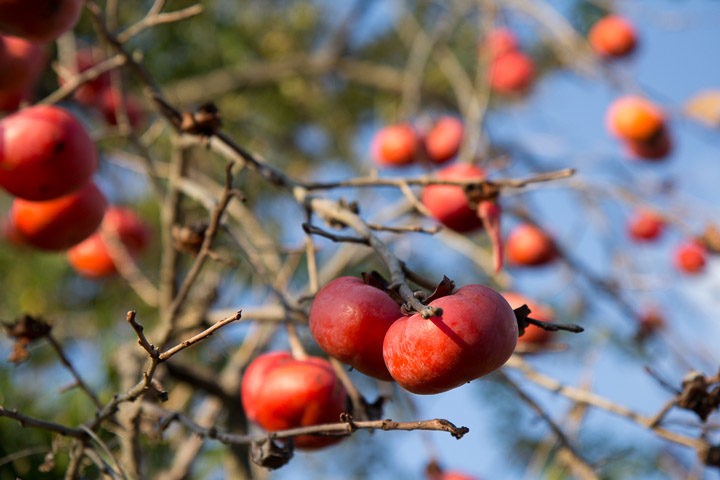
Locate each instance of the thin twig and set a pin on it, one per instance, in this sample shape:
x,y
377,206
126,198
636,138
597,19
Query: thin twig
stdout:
x,y
169,216
579,465
102,465
77,453
326,429
26,421
105,449
199,337
402,229
589,398
296,346
170,315
70,84
312,229
139,331
128,269
369,182
78,378
27,452
658,417
143,385
153,19
352,391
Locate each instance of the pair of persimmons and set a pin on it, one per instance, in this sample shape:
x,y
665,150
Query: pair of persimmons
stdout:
x,y
646,226
363,327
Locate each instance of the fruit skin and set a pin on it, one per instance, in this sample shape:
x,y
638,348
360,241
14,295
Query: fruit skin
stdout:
x,y
498,42
395,145
349,319
90,258
60,223
448,203
634,119
443,141
650,321
533,334
511,73
44,153
450,475
10,101
254,378
690,257
21,64
656,148
475,335
39,20
612,36
645,225
528,245
280,392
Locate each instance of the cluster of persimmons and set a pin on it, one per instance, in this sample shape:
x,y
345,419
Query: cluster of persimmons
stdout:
x,y
47,158
364,327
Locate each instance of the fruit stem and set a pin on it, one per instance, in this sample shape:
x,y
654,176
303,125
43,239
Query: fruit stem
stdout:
x,y
521,315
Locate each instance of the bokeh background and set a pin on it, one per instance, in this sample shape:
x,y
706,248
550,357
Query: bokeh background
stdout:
x,y
317,124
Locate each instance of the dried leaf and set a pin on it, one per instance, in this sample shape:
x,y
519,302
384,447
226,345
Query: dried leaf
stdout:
x,y
204,121
696,397
271,454
19,353
711,238
710,455
443,289
188,238
28,327
374,279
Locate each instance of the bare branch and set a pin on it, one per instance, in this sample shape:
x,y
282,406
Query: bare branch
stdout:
x,y
369,182
589,398
154,19
142,340
579,465
26,421
71,84
170,315
311,229
408,228
326,429
78,379
199,337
